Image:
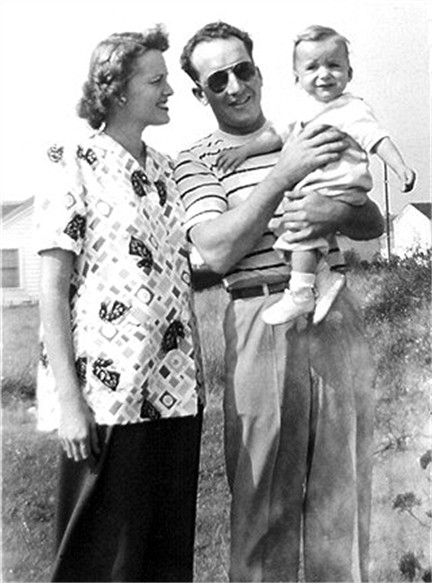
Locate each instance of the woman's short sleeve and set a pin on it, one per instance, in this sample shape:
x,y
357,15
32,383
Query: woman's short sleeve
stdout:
x,y
60,210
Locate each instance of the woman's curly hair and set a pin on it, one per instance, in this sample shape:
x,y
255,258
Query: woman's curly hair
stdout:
x,y
111,66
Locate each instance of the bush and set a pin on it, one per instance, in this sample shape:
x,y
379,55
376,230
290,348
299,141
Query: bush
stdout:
x,y
405,285
396,300
410,563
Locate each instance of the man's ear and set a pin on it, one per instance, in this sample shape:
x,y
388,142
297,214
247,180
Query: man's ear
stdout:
x,y
350,74
200,95
259,73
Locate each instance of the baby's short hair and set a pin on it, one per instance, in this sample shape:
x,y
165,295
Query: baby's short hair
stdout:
x,y
316,32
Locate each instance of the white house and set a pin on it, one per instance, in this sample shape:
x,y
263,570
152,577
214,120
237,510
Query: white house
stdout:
x,y
412,229
19,262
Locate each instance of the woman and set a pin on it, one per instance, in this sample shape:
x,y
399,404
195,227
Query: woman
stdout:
x,y
119,364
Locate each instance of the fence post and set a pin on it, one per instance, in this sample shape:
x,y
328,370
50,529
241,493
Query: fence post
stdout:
x,y
387,210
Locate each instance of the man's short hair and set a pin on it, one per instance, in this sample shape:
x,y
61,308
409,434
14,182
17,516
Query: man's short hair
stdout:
x,y
209,32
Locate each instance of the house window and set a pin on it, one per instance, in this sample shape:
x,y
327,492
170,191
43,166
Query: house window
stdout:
x,y
10,272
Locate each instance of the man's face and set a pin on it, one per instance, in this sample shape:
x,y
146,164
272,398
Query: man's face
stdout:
x,y
237,107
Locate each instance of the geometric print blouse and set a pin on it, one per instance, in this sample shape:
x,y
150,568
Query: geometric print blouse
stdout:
x,y
135,340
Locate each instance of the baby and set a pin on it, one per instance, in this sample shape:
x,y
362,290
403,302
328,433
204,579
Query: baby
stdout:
x,y
322,69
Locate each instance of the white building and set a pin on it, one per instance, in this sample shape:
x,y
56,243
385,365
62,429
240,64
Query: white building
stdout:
x,y
19,261
412,229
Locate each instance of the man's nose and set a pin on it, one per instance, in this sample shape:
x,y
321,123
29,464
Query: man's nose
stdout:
x,y
233,83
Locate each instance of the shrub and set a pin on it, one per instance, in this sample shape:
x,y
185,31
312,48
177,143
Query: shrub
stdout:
x,y
405,285
395,295
410,564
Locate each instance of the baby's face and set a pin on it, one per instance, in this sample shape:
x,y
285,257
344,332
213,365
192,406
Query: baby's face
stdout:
x,y
322,68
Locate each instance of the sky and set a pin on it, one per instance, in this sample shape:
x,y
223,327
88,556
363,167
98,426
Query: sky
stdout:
x,y
45,47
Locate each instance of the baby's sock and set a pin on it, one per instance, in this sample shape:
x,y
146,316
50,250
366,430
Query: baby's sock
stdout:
x,y
302,284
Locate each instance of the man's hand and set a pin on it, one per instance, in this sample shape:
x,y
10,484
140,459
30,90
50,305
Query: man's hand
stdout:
x,y
224,240
315,215
314,147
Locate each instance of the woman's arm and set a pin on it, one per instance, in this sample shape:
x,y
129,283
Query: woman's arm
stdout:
x,y
77,429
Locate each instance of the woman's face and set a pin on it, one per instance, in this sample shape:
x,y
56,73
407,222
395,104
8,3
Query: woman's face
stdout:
x,y
148,90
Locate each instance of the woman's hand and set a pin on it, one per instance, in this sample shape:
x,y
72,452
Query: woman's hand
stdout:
x,y
77,430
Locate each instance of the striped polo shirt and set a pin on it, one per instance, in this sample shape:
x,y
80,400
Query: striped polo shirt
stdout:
x,y
207,192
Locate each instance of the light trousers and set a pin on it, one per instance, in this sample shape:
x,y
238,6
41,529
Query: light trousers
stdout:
x,y
298,436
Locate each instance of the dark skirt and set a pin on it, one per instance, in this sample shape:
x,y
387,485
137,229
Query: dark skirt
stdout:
x,y
130,516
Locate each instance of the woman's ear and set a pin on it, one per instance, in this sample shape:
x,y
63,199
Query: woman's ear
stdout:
x,y
200,95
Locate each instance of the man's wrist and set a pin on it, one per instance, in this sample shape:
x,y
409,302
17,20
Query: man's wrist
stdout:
x,y
280,182
344,218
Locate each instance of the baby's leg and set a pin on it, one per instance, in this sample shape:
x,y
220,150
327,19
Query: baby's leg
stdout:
x,y
305,261
303,275
307,293
299,299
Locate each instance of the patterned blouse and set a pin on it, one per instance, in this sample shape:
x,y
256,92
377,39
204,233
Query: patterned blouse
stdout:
x,y
134,336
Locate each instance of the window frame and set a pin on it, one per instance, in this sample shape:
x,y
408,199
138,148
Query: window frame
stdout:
x,y
16,267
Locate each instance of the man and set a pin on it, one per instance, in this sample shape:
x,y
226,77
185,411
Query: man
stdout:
x,y
298,413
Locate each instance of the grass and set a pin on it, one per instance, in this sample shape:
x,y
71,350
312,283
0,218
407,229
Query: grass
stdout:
x,y
401,347
29,467
20,351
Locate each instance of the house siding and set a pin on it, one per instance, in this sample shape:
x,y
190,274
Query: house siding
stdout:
x,y
17,233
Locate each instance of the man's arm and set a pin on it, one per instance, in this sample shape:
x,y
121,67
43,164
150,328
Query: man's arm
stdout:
x,y
224,240
315,215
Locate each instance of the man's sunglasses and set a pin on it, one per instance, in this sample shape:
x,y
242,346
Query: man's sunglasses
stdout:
x,y
218,81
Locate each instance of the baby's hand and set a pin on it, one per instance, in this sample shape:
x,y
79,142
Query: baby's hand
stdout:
x,y
408,179
230,159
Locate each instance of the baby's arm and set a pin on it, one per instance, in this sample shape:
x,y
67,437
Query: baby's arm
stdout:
x,y
267,141
389,154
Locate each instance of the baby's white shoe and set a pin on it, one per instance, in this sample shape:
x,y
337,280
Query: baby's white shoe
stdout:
x,y
290,307
328,285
